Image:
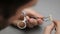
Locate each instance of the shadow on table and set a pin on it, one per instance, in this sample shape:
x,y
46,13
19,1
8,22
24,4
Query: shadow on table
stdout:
x,y
29,30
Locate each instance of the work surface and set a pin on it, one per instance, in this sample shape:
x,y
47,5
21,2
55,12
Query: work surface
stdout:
x,y
44,7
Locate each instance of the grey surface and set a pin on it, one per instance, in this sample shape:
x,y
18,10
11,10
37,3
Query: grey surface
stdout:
x,y
44,7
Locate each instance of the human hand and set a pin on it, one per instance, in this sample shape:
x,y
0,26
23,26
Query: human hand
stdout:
x,y
49,28
57,26
33,18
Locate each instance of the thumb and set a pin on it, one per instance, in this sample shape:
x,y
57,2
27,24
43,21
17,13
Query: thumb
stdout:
x,y
27,17
49,29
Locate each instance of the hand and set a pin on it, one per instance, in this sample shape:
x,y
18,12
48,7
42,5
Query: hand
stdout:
x,y
33,18
49,28
57,26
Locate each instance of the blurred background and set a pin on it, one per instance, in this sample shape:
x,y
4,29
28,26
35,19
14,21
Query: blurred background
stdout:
x,y
44,7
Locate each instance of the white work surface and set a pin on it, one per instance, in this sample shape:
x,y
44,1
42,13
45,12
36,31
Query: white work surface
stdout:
x,y
44,7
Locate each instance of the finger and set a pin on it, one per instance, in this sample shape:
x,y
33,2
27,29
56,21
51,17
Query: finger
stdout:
x,y
57,23
57,26
39,21
33,22
39,16
27,17
49,29
29,25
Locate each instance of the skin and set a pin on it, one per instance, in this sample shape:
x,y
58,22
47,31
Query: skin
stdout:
x,y
32,22
49,28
